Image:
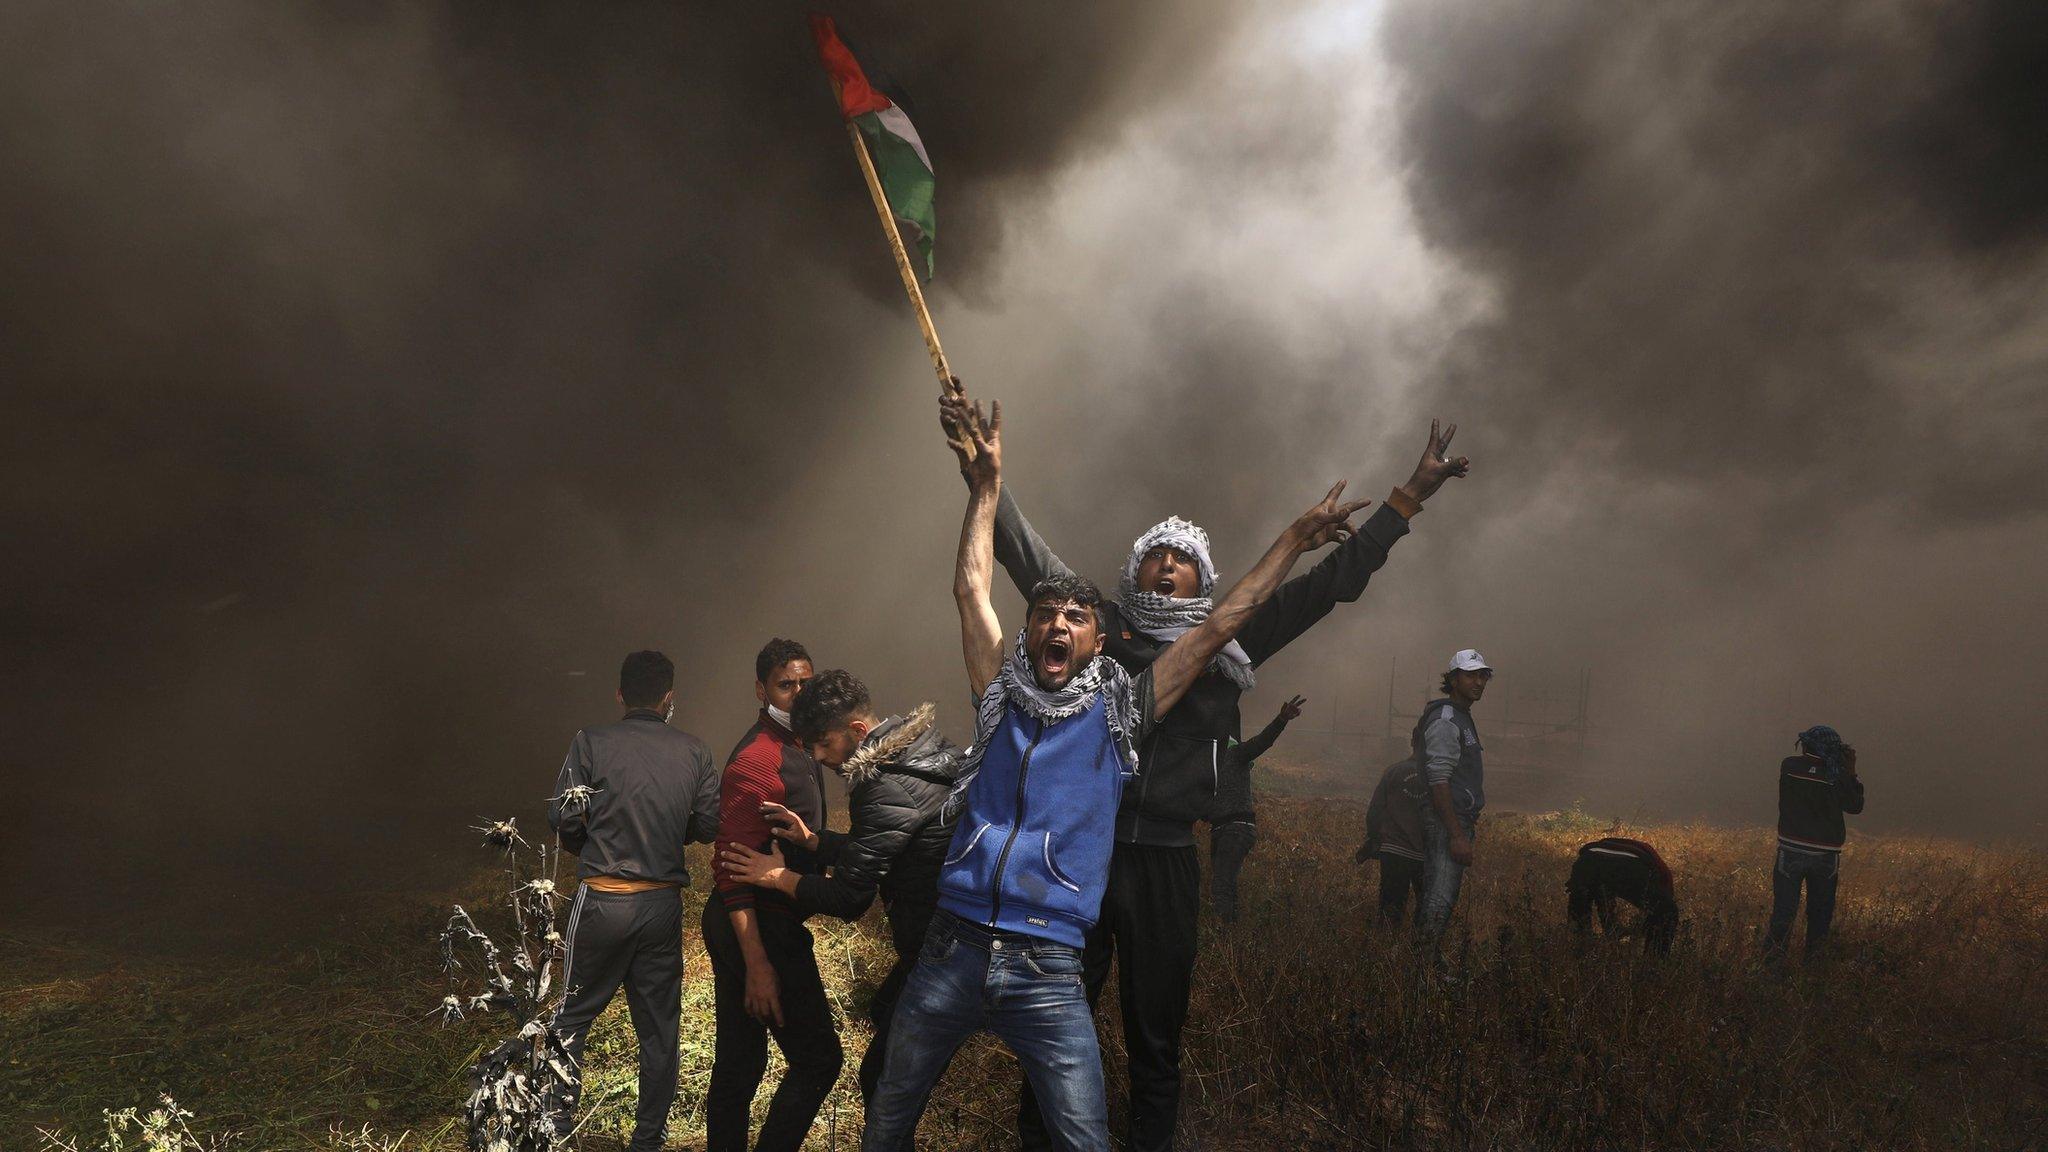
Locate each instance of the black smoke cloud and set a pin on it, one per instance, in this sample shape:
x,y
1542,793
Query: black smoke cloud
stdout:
x,y
1733,242
378,374
1760,347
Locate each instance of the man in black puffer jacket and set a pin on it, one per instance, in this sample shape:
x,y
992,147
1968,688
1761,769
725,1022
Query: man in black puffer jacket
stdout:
x,y
1150,911
898,772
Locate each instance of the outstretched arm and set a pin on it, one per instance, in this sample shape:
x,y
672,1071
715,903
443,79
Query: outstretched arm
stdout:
x,y
1019,549
1258,745
978,444
1341,576
1184,659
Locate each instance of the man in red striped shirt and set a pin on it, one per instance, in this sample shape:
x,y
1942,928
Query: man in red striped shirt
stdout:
x,y
765,975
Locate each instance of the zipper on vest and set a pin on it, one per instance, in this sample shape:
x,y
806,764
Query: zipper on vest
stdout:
x,y
995,910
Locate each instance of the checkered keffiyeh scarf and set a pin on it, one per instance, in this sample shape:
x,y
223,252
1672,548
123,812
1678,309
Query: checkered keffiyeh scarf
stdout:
x,y
1103,679
1826,743
1167,618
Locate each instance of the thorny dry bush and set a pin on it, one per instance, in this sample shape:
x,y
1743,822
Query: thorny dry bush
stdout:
x,y
1309,1029
518,1086
168,1128
165,1128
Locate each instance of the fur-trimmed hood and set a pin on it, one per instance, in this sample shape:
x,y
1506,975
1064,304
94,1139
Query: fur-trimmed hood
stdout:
x,y
890,741
896,838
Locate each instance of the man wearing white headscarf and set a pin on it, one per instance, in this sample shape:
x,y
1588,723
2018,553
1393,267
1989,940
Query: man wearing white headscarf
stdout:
x,y
1153,903
1056,736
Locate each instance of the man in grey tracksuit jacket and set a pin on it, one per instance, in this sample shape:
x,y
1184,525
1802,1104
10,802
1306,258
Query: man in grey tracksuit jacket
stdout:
x,y
629,797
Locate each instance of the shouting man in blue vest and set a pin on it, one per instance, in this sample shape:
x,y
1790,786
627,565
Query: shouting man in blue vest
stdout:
x,y
1151,910
1057,732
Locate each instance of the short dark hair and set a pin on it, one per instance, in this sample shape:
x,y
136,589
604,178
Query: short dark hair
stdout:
x,y
775,654
833,697
645,677
1065,587
1448,677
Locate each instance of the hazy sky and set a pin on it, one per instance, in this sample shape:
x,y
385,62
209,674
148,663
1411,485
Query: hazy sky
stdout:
x,y
378,375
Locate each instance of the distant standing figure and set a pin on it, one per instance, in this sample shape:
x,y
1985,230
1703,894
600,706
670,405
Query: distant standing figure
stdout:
x,y
1393,833
1233,827
1815,789
630,796
1617,868
1447,746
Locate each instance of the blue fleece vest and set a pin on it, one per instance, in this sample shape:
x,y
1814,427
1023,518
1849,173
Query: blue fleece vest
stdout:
x,y
1031,851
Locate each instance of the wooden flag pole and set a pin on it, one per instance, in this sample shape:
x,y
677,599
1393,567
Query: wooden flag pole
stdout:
x,y
903,266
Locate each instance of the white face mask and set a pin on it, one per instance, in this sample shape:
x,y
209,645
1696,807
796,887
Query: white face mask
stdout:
x,y
779,715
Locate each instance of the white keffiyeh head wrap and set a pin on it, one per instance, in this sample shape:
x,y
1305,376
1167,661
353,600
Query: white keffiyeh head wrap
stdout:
x,y
1166,618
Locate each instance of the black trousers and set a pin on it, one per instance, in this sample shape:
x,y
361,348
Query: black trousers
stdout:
x,y
906,929
1598,881
634,940
1229,843
1400,877
807,1036
1148,922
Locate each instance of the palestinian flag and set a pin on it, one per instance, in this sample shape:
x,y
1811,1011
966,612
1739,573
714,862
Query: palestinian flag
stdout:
x,y
893,145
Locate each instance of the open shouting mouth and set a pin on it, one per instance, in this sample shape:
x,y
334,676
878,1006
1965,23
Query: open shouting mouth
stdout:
x,y
1055,657
1163,586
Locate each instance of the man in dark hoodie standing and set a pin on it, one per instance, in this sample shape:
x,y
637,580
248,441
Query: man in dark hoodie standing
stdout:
x,y
629,797
1815,789
1152,908
1393,835
898,772
763,969
1234,828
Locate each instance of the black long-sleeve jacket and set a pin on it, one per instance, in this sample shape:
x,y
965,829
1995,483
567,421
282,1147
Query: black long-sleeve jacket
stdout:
x,y
897,781
1811,804
1233,800
654,789
1179,764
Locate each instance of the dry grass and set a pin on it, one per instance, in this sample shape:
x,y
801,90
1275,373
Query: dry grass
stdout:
x,y
1309,1029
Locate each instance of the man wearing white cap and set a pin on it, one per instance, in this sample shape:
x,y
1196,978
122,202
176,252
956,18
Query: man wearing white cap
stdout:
x,y
1446,744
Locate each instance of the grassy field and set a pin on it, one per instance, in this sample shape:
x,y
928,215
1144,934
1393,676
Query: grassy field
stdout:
x,y
1309,1028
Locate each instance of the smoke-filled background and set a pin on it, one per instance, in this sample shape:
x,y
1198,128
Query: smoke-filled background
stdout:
x,y
377,375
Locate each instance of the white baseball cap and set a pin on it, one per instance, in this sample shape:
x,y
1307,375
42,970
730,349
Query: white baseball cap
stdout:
x,y
1469,660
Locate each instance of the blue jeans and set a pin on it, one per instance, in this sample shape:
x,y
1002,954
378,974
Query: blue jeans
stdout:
x,y
1819,872
1025,990
1441,876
